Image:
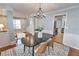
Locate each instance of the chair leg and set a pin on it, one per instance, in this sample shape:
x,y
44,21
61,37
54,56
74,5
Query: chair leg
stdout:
x,y
48,50
33,51
29,49
52,46
24,48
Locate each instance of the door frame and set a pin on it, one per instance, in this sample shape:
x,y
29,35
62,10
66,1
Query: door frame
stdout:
x,y
63,13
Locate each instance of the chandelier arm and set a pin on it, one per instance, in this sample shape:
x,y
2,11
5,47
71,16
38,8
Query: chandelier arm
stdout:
x,y
40,5
40,13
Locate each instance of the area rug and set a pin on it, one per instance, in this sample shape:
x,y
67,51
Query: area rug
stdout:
x,y
57,50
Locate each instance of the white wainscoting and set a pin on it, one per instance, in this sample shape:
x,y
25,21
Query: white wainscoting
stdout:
x,y
4,38
71,40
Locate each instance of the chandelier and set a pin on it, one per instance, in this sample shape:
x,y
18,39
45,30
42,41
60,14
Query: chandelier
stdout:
x,y
39,18
39,13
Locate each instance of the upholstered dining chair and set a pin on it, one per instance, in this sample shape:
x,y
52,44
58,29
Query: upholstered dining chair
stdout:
x,y
49,44
28,41
43,46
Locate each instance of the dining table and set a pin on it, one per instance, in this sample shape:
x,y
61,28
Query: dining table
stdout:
x,y
37,40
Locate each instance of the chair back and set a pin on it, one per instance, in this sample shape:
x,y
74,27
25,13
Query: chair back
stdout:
x,y
28,40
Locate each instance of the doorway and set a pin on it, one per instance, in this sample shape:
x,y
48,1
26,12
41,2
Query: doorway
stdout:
x,y
59,25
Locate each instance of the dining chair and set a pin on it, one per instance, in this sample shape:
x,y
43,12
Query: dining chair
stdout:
x,y
28,41
43,46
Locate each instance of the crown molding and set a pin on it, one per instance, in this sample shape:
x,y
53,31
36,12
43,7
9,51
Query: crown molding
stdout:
x,y
65,9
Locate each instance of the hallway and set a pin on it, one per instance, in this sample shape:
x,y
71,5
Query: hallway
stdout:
x,y
59,38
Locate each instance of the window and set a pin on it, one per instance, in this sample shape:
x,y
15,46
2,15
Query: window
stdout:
x,y
17,24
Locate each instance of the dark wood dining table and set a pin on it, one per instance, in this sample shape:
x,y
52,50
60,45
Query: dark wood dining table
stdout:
x,y
38,40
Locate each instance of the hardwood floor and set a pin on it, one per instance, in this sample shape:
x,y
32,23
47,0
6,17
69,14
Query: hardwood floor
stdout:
x,y
59,38
7,46
73,52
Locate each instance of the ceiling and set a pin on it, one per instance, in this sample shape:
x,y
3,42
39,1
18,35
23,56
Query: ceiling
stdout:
x,y
29,8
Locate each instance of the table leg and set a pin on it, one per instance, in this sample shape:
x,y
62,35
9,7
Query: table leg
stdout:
x,y
24,48
33,51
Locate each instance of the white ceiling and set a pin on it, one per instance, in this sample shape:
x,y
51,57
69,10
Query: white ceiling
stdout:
x,y
29,8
